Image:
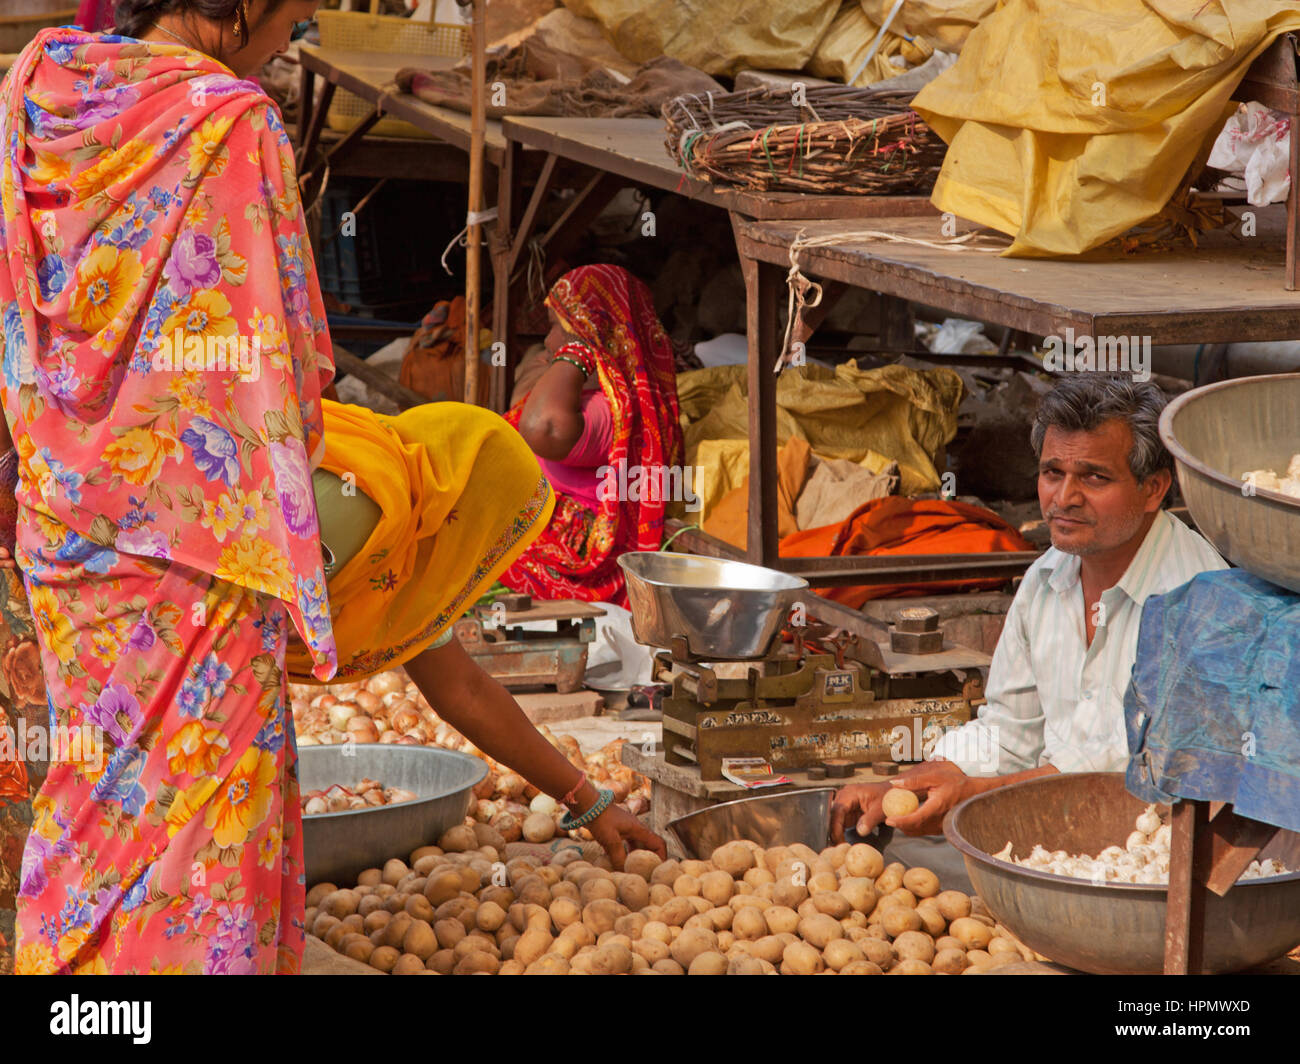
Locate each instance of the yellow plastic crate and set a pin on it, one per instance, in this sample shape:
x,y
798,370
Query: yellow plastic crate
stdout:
x,y
360,31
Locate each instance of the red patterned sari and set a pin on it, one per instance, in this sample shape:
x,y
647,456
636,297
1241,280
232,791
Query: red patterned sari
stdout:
x,y
612,314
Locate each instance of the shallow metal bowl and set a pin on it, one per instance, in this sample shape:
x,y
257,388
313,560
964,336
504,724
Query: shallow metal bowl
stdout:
x,y
726,611
1111,928
1217,433
337,846
769,820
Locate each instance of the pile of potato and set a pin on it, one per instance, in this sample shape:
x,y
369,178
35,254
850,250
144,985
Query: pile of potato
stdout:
x,y
388,708
458,909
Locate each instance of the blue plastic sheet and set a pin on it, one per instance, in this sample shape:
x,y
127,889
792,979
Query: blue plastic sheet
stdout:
x,y
1213,708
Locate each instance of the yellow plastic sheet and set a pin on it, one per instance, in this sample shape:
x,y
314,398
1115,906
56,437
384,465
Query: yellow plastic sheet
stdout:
x,y
717,36
847,43
870,417
942,24
1070,121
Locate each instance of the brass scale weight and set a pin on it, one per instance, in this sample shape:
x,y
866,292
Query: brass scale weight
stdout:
x,y
877,698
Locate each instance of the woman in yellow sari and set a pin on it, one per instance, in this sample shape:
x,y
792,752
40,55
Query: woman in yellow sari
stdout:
x,y
166,369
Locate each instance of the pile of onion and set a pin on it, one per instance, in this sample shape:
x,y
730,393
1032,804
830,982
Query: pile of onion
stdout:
x,y
388,708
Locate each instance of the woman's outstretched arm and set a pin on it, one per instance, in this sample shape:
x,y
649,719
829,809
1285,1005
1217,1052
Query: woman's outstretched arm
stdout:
x,y
484,712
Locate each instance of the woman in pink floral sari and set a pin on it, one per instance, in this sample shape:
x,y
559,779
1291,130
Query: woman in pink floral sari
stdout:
x,y
167,534
163,358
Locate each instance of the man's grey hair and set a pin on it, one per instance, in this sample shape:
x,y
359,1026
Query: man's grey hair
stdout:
x,y
1081,403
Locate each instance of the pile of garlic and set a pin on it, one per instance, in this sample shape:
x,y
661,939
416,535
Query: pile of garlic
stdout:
x,y
1268,480
1144,858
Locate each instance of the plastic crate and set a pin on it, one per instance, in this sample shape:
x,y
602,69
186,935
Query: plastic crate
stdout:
x,y
387,268
360,31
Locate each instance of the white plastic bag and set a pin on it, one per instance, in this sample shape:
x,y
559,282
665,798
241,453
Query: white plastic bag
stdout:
x,y
1256,144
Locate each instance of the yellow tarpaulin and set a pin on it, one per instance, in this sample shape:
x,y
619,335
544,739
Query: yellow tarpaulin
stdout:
x,y
1070,121
942,24
848,42
718,36
870,417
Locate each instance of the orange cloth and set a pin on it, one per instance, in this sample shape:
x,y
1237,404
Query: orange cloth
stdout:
x,y
729,520
898,525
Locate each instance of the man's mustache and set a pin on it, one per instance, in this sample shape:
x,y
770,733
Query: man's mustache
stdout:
x,y
1054,512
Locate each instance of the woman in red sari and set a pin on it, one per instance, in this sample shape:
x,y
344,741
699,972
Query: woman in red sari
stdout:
x,y
609,452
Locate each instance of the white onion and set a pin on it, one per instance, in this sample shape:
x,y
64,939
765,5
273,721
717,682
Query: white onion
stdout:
x,y
340,713
544,803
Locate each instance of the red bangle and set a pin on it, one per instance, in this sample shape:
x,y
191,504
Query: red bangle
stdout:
x,y
572,796
576,349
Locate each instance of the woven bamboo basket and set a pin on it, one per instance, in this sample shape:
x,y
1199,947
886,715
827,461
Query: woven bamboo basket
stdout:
x,y
361,31
21,20
836,139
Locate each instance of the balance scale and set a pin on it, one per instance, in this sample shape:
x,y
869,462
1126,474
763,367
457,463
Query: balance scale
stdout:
x,y
861,701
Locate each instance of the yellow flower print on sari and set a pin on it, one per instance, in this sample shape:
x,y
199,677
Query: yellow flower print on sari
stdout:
x,y
187,803
35,958
186,388
83,749
53,622
273,343
50,168
207,152
112,168
44,824
221,515
257,564
269,850
137,456
243,799
71,943
197,749
237,509
105,281
206,313
107,638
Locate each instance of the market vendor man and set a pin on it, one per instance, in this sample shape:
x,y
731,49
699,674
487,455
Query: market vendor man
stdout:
x,y
1056,684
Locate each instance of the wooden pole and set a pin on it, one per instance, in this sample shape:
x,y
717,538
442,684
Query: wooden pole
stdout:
x,y
474,248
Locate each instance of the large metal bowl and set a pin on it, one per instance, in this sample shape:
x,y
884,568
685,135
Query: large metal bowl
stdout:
x,y
726,611
769,820
337,846
1216,434
1111,928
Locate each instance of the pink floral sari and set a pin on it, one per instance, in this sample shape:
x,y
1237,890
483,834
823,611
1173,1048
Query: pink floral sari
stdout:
x,y
164,349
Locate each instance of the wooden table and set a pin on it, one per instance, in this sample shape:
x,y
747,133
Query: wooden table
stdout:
x,y
1228,289
610,154
370,75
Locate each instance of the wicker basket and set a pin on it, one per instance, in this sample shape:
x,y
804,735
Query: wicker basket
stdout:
x,y
837,139
21,20
359,31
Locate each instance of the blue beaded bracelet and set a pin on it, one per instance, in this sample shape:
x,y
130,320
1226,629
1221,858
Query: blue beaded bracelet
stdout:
x,y
568,822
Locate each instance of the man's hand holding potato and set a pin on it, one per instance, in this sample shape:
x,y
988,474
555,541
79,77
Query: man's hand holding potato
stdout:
x,y
942,783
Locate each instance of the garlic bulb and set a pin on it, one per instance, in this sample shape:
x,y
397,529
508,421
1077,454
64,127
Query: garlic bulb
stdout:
x,y
1148,822
1144,858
